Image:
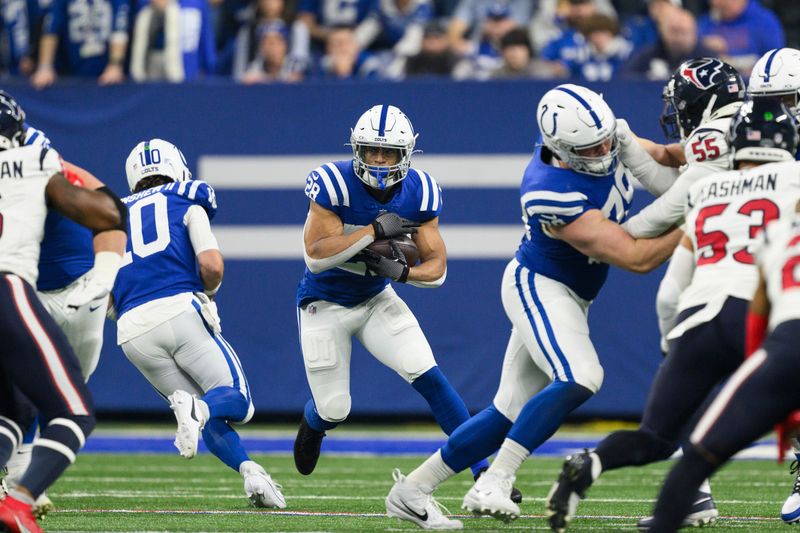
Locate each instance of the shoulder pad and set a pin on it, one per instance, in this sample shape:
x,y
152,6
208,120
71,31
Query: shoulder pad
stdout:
x,y
326,186
706,144
50,161
34,137
429,193
196,191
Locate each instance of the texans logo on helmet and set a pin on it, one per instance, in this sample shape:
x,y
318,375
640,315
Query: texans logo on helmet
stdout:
x,y
703,73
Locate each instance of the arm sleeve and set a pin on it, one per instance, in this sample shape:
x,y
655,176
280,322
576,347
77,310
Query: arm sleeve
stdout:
x,y
656,178
667,210
199,226
677,278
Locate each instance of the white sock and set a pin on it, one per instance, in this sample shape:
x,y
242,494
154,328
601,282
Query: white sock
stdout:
x,y
19,496
18,463
510,457
432,473
597,466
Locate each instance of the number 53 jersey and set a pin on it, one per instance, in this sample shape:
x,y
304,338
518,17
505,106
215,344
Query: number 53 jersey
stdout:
x,y
159,259
725,212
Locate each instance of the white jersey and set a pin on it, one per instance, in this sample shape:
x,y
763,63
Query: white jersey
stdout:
x,y
24,174
778,257
706,152
724,215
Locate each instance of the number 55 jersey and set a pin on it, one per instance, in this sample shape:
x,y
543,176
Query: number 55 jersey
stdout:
x,y
159,271
725,212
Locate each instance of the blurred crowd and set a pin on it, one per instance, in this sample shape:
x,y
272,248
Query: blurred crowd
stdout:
x,y
288,41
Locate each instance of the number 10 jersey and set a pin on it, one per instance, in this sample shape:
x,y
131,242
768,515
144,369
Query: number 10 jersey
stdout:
x,y
159,259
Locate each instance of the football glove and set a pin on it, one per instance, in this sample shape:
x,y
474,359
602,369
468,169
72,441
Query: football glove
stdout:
x,y
395,269
88,290
208,309
389,225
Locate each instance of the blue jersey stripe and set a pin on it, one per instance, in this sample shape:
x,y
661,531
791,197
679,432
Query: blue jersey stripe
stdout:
x,y
528,313
382,122
769,63
584,103
548,328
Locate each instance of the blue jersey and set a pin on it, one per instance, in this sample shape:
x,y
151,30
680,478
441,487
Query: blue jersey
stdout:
x,y
395,22
85,28
336,12
159,259
553,196
336,187
67,252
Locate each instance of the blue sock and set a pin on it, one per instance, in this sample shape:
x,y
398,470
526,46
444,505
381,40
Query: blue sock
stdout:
x,y
314,420
544,413
446,405
226,403
478,437
223,441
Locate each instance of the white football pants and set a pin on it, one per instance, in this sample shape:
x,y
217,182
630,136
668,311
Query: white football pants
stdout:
x,y
83,328
183,354
385,326
549,339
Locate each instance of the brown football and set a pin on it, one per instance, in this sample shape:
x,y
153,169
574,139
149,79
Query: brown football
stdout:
x,y
406,245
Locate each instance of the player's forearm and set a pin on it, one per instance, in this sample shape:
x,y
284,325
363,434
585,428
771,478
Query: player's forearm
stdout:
x,y
110,241
648,254
212,270
332,251
665,212
47,50
670,155
429,273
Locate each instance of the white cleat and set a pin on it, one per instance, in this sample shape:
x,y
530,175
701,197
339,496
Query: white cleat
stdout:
x,y
190,422
260,488
790,512
409,502
491,495
42,506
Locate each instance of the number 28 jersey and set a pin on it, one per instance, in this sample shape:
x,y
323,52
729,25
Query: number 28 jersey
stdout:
x,y
336,187
159,259
725,213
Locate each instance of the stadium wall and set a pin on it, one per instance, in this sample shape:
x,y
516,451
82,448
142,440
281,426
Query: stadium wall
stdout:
x,y
256,145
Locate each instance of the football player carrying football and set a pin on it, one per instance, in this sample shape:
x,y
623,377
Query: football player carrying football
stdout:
x,y
346,291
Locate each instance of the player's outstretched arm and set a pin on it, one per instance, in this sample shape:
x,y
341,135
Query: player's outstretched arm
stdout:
x,y
325,244
595,236
97,210
432,269
646,160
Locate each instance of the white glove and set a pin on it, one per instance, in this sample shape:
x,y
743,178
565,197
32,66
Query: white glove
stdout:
x,y
88,290
623,132
95,285
208,309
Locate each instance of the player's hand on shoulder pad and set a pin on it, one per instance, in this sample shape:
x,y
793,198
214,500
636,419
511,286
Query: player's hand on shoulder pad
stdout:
x,y
87,290
389,225
208,309
395,269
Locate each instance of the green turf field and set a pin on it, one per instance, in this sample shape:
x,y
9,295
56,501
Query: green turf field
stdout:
x,y
167,493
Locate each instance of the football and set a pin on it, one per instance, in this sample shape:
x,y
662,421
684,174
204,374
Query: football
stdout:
x,y
405,243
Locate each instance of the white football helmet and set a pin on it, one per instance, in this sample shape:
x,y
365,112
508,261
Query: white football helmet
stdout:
x,y
383,126
156,157
573,118
777,73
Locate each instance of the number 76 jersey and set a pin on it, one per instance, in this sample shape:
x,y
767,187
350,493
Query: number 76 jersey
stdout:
x,y
160,260
725,213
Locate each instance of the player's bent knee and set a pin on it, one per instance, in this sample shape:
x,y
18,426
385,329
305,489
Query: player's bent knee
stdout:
x,y
590,376
334,409
251,410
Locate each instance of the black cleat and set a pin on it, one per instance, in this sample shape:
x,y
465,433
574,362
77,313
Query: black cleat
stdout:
x,y
516,495
307,446
703,513
573,481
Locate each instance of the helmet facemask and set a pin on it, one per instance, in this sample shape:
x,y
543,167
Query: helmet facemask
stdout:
x,y
381,176
594,165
